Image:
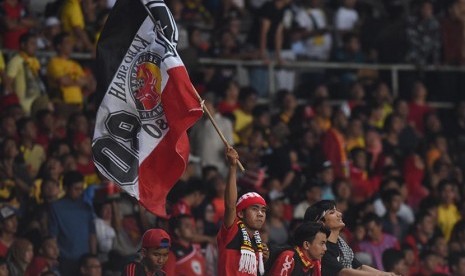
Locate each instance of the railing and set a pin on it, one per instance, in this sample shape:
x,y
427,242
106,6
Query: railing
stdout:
x,y
302,66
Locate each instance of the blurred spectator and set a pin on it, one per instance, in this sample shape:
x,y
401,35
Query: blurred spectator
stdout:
x,y
83,154
267,35
418,107
23,73
312,195
312,39
3,267
72,223
457,238
13,173
89,265
72,19
405,211
104,230
243,115
453,40
448,214
52,27
377,241
345,19
185,257
333,144
20,256
229,102
16,20
392,223
8,228
204,139
457,264
277,227
33,153
423,36
393,261
46,260
66,76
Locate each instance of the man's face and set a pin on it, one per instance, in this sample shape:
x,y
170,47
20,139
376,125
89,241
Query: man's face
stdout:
x,y
186,229
155,258
50,249
30,46
317,248
374,231
254,216
75,190
401,268
459,269
92,268
10,225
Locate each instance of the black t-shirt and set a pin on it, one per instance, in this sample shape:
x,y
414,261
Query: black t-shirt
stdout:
x,y
330,265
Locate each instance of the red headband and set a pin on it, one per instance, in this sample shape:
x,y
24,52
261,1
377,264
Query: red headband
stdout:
x,y
248,200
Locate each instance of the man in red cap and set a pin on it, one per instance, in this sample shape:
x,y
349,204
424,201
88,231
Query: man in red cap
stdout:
x,y
240,249
155,249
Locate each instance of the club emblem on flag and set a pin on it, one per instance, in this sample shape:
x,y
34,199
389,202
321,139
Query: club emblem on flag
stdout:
x,y
145,81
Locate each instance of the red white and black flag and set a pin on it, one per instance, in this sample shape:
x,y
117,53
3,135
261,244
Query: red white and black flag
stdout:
x,y
147,102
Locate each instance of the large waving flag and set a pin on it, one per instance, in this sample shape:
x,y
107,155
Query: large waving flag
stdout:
x,y
147,102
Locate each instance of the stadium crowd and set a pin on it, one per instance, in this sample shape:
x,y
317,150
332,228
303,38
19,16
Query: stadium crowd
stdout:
x,y
392,165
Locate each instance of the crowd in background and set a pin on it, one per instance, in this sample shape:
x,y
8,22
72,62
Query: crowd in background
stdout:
x,y
393,165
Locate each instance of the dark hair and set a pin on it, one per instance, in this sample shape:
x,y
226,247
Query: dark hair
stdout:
x,y
372,217
388,195
391,257
454,259
175,222
307,232
24,38
315,212
22,123
246,92
72,177
85,258
58,39
444,183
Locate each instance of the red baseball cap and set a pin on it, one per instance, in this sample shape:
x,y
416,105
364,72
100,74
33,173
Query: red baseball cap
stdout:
x,y
156,238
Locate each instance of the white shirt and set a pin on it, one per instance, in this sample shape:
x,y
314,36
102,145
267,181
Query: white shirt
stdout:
x,y
345,19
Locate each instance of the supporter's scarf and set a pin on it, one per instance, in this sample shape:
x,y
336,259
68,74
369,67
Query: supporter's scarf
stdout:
x,y
347,255
31,62
248,261
309,263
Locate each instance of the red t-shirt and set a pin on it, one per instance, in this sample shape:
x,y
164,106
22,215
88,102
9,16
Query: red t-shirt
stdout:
x,y
11,37
185,261
229,250
3,249
285,264
416,114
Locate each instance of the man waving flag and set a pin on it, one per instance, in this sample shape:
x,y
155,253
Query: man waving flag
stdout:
x,y
147,102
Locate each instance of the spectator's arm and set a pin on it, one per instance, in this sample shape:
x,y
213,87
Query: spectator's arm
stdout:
x,y
230,196
93,243
279,42
84,38
265,25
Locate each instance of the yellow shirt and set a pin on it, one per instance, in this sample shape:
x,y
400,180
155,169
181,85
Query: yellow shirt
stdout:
x,y
242,121
16,70
71,16
447,217
352,143
2,62
33,158
59,67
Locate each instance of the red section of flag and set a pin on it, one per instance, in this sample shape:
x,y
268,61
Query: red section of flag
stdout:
x,y
167,162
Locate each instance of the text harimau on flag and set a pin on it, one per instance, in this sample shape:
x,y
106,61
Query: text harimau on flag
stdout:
x,y
147,102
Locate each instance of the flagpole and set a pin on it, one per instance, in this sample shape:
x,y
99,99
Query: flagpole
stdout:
x,y
212,120
215,125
